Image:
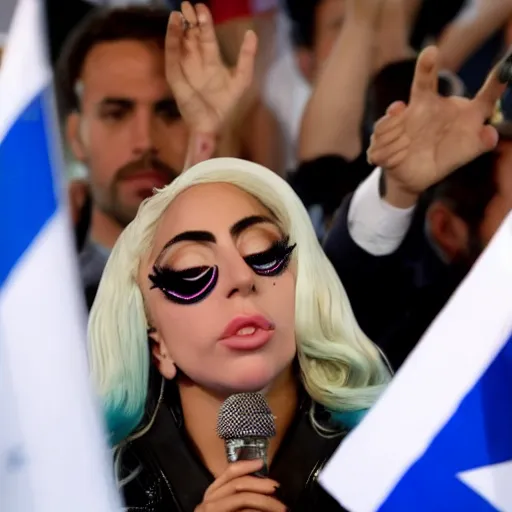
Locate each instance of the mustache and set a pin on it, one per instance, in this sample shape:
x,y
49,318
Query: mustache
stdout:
x,y
147,161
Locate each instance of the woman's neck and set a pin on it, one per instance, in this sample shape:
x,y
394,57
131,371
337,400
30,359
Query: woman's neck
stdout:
x,y
201,408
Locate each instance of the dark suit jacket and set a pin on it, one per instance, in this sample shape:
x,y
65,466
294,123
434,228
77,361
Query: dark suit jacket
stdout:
x,y
394,297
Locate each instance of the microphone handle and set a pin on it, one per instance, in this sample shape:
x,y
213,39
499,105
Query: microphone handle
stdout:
x,y
249,448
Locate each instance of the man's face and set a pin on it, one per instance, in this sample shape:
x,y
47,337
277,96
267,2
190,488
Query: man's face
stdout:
x,y
128,132
329,17
501,204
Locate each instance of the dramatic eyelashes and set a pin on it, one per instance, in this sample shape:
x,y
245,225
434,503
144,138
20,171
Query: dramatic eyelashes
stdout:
x,y
195,284
273,261
185,286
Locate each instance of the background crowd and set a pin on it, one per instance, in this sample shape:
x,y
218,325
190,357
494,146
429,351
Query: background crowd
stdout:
x,y
299,94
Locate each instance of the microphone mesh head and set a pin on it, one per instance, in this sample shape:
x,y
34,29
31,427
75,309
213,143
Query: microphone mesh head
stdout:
x,y
245,415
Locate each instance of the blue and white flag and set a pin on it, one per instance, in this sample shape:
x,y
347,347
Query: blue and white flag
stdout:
x,y
440,439
53,454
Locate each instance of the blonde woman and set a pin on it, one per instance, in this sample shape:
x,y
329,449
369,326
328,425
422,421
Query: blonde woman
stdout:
x,y
219,286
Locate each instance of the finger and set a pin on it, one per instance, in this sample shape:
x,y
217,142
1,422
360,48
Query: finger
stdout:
x,y
245,65
396,159
189,13
243,484
378,141
396,108
235,470
207,36
247,500
387,123
489,138
173,38
490,93
173,54
383,156
426,74
192,28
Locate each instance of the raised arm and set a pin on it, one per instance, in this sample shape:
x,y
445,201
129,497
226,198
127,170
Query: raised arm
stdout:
x,y
474,25
333,117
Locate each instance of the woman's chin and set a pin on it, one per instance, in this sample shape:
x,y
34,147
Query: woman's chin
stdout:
x,y
243,376
248,381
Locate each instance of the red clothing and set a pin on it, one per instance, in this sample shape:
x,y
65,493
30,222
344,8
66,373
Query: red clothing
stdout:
x,y
225,10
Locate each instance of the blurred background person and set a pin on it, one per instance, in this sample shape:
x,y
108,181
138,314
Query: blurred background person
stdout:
x,y
122,122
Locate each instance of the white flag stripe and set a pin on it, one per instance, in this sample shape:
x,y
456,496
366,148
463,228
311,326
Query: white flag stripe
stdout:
x,y
14,480
24,71
60,431
393,438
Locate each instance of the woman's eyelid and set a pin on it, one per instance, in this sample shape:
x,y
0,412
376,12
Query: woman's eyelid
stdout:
x,y
187,258
274,250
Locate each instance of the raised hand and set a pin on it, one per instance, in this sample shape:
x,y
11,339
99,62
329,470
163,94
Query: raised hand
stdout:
x,y
205,90
420,143
236,489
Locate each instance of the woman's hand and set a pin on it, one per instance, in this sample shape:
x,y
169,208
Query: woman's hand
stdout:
x,y
419,144
205,90
236,489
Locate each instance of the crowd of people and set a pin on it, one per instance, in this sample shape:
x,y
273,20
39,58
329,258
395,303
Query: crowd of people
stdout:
x,y
403,174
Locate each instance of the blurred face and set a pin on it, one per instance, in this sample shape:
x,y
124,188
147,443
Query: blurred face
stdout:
x,y
461,244
501,203
219,287
129,132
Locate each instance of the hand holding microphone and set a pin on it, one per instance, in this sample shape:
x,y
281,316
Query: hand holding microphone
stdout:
x,y
237,489
246,424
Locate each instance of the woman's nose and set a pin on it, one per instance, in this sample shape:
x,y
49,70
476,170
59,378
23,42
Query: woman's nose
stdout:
x,y
240,278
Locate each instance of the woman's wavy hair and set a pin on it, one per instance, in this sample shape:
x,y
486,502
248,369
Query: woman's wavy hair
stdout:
x,y
339,367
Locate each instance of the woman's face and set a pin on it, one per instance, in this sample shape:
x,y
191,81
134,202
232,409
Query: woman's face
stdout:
x,y
219,291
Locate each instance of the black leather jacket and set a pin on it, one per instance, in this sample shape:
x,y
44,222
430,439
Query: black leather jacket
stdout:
x,y
165,475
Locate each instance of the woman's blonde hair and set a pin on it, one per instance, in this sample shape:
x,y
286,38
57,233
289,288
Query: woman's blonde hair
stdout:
x,y
340,368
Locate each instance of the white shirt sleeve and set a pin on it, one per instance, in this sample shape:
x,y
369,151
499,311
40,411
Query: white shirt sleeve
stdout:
x,y
376,226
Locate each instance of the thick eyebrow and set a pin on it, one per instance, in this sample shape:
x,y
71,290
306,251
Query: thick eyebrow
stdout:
x,y
116,102
205,236
189,236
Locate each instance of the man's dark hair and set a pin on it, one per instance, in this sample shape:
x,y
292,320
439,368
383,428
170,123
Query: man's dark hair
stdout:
x,y
468,190
302,15
140,23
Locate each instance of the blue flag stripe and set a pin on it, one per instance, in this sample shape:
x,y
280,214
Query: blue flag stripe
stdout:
x,y
479,434
26,182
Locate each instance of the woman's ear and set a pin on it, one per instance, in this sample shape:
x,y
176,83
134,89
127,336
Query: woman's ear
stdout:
x,y
161,357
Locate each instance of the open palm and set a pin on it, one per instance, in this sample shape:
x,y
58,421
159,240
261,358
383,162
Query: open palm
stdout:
x,y
205,90
432,136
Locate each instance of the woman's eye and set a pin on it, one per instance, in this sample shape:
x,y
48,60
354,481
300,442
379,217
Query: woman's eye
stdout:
x,y
192,274
185,286
266,266
273,261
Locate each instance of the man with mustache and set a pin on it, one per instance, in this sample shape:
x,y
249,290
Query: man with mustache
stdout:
x,y
122,120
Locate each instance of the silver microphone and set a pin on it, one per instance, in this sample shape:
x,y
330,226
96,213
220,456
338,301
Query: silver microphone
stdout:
x,y
245,423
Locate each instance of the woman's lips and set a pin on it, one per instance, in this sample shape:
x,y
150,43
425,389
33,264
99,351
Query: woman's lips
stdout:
x,y
247,333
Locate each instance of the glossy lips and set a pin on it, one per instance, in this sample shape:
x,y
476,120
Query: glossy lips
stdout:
x,y
247,333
